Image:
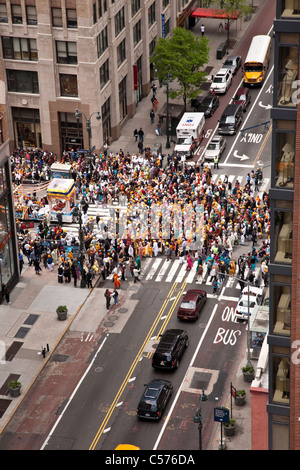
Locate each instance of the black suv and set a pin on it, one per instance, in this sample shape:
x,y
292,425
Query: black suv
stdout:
x,y
170,349
154,399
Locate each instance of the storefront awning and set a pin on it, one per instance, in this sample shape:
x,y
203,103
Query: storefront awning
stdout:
x,y
214,13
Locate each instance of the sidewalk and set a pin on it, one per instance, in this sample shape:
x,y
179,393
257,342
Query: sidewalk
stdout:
x,y
30,318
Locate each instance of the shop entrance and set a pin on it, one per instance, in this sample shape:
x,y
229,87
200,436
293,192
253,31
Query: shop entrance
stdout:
x,y
27,127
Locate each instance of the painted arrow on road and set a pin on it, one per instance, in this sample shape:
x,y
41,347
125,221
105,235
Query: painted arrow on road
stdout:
x,y
241,157
263,106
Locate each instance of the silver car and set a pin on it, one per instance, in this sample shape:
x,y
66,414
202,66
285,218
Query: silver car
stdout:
x,y
215,148
233,63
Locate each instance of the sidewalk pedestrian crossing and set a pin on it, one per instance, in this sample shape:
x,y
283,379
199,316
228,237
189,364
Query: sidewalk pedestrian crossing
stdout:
x,y
105,211
161,270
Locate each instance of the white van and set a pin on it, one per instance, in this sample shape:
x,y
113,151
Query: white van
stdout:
x,y
189,133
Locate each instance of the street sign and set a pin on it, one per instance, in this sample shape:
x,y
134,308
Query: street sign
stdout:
x,y
82,151
221,414
93,148
233,391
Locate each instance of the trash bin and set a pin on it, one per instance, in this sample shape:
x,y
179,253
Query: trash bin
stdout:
x,y
221,50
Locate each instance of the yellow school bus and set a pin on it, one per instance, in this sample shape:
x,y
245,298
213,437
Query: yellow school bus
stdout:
x,y
257,61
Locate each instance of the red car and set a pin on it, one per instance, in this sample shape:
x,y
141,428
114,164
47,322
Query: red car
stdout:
x,y
191,304
243,98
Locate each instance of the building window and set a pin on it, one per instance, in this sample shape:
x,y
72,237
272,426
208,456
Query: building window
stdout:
x,y
3,13
151,14
66,52
137,33
285,155
282,297
102,41
31,15
287,84
1,142
135,7
121,52
104,74
280,375
68,85
119,21
123,99
280,432
167,27
16,13
71,18
152,46
19,48
283,227
165,3
290,9
22,81
99,8
57,17
106,121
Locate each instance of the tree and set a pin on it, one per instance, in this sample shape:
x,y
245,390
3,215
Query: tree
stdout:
x,y
231,8
180,59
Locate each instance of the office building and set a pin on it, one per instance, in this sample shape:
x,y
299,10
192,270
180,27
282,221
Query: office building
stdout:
x,y
284,269
91,55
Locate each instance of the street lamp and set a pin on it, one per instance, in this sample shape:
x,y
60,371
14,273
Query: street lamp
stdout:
x,y
82,255
198,417
166,83
89,131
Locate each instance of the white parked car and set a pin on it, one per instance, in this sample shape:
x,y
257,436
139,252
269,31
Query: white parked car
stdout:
x,y
215,148
221,81
241,310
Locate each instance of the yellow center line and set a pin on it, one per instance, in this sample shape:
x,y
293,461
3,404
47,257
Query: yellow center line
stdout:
x,y
125,381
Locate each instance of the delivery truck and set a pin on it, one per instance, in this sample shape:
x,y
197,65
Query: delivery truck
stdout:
x,y
189,133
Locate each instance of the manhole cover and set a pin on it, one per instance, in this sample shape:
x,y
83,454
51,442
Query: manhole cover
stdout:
x,y
99,369
113,317
60,357
31,319
123,310
201,380
109,323
22,332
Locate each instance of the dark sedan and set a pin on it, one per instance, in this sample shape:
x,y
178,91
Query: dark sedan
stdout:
x,y
191,304
243,98
155,399
208,105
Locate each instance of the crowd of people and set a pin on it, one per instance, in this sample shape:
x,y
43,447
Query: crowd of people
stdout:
x,y
231,215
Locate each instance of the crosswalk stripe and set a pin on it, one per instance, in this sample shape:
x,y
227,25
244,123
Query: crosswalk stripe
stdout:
x,y
153,269
162,272
175,266
181,273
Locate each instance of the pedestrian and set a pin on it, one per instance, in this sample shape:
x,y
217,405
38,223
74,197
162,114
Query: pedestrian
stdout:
x,y
158,129
140,146
89,278
59,219
220,28
21,262
50,263
215,285
202,29
37,266
74,275
189,262
136,274
141,135
136,134
115,296
107,295
155,104
216,162
154,89
6,293
60,273
123,272
152,116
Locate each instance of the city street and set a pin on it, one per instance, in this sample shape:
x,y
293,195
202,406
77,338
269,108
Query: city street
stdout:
x,y
86,394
